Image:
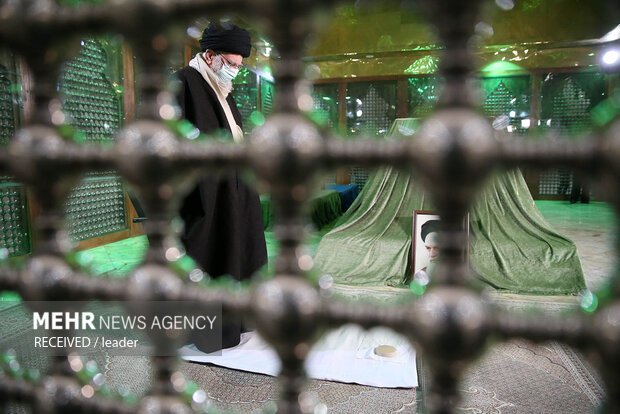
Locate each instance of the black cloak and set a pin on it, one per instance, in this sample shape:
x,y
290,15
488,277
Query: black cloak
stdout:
x,y
223,219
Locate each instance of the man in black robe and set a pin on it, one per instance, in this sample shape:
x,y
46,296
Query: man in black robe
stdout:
x,y
223,220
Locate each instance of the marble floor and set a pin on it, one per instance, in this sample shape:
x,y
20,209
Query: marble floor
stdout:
x,y
593,228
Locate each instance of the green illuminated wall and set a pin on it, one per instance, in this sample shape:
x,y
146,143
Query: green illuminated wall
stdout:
x,y
507,99
422,94
565,106
325,105
14,217
566,109
91,95
267,96
92,101
245,92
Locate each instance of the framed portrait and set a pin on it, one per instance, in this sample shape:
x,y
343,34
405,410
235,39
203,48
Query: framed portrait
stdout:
x,y
424,247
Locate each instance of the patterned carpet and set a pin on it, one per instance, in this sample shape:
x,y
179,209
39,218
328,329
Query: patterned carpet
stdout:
x,y
512,377
253,393
519,377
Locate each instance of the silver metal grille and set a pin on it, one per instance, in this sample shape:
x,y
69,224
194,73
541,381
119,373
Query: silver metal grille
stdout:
x,y
454,150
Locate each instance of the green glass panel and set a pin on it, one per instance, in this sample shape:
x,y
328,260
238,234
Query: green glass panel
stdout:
x,y
92,105
14,230
507,102
371,107
7,107
566,106
91,102
325,113
370,110
245,92
14,221
96,207
325,105
267,91
423,94
568,98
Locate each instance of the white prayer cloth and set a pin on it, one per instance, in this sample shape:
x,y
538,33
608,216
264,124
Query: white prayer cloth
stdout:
x,y
344,355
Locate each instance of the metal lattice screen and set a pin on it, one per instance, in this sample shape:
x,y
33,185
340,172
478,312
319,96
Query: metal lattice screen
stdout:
x,y
508,102
371,107
325,105
370,110
325,112
91,102
14,221
94,110
452,154
14,230
96,207
7,107
567,99
422,94
555,181
266,96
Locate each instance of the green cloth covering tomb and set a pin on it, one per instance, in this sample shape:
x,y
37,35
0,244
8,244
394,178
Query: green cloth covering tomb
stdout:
x,y
512,247
324,207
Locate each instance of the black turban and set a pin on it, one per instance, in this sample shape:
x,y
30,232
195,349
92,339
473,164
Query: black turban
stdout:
x,y
226,37
429,227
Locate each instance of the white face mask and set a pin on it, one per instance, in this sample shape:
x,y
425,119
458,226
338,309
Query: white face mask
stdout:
x,y
226,73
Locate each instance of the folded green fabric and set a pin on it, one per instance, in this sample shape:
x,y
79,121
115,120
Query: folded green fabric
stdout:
x,y
324,207
512,247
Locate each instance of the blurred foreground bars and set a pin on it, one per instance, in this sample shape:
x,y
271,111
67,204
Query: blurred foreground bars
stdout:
x,y
454,150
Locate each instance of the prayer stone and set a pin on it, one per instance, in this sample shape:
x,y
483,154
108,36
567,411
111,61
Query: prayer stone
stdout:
x,y
386,351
